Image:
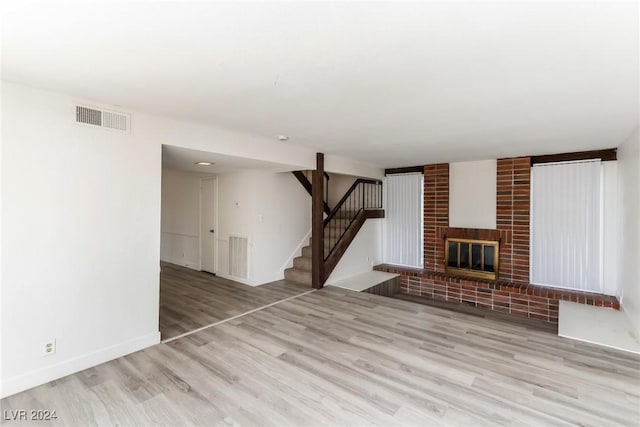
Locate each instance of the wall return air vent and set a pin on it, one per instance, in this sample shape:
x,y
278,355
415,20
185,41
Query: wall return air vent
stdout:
x,y
103,118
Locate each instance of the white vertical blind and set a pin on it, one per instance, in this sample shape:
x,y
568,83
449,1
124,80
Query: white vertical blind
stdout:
x,y
403,229
566,225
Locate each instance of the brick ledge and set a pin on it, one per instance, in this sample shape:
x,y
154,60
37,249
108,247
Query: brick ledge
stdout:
x,y
528,300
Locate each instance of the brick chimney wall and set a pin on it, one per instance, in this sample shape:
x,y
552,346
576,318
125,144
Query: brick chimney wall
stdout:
x,y
513,192
436,214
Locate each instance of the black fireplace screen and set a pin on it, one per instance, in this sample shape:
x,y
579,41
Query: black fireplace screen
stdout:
x,y
475,258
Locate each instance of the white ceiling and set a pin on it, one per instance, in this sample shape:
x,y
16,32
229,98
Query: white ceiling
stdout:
x,y
394,84
185,159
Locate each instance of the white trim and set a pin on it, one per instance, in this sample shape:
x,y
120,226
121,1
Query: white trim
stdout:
x,y
181,262
236,279
202,328
215,224
44,375
296,253
180,234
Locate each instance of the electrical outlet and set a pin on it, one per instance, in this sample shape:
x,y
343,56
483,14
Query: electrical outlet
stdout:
x,y
50,347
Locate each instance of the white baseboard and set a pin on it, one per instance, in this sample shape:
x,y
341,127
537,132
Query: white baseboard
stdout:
x,y
41,376
181,262
236,279
296,253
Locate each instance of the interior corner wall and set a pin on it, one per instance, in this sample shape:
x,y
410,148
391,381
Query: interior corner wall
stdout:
x,y
272,210
180,224
629,229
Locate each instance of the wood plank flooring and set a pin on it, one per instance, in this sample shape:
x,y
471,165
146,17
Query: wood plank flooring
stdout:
x,y
336,357
190,299
481,312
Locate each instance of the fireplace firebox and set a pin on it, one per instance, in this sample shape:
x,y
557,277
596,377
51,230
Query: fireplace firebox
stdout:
x,y
472,258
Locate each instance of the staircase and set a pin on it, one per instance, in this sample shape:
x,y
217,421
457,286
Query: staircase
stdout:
x,y
340,225
302,265
301,270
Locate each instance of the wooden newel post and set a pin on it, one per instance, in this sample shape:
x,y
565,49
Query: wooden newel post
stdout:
x,y
317,223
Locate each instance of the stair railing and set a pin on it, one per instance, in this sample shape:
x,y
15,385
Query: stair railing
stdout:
x,y
363,194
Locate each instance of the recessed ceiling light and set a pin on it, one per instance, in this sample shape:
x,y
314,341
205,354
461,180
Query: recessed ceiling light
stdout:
x,y
205,163
283,137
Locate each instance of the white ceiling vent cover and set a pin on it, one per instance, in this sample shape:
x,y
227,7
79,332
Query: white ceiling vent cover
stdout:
x,y
103,118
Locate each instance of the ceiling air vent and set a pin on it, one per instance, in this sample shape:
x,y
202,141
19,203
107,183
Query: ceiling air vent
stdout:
x,y
103,118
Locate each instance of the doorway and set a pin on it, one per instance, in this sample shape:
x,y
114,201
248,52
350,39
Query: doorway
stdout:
x,y
208,224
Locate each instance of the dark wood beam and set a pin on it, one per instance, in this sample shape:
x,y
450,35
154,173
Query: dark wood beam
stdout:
x,y
604,155
302,178
409,169
317,224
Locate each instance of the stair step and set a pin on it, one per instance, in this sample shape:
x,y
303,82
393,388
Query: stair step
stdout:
x,y
306,251
302,263
296,275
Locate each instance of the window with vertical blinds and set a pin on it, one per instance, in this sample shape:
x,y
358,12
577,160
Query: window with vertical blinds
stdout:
x,y
403,225
566,225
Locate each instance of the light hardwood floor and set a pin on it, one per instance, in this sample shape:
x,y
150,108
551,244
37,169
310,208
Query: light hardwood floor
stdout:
x,y
335,357
190,299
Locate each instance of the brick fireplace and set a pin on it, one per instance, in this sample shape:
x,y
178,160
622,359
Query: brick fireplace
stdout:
x,y
512,218
511,291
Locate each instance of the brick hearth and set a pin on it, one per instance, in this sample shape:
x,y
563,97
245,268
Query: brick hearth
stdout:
x,y
535,302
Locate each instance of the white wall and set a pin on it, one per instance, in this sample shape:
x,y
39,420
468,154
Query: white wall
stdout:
x,y
273,210
1,245
207,138
81,240
472,194
81,228
364,252
629,213
180,224
338,186
343,165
